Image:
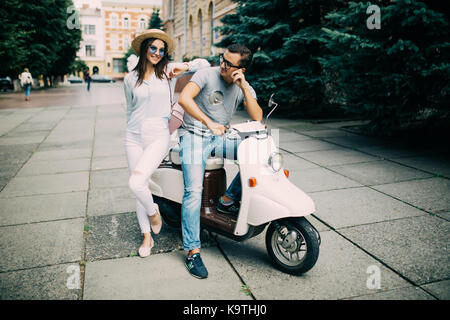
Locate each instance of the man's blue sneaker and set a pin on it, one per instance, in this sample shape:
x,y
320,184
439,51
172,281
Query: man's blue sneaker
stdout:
x,y
195,266
232,208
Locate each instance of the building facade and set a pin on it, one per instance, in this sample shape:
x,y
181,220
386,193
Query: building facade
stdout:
x,y
191,23
124,19
108,27
92,46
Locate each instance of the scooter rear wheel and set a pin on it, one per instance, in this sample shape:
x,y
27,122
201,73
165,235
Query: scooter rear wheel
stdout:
x,y
170,211
293,245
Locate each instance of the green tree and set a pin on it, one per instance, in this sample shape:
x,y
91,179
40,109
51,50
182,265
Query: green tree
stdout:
x,y
34,34
284,36
155,21
394,75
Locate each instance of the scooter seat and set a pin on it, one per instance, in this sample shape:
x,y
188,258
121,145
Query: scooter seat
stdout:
x,y
212,163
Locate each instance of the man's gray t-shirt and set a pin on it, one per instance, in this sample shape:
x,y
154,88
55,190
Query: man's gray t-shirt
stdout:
x,y
217,99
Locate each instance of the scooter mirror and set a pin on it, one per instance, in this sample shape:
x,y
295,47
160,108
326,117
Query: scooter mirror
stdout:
x,y
271,102
273,105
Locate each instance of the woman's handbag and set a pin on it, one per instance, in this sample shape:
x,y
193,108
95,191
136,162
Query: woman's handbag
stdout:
x,y
177,113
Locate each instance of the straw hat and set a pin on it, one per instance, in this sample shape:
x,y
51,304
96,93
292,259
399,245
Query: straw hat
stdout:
x,y
152,33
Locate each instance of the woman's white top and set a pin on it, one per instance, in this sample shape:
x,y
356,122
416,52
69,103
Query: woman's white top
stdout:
x,y
152,98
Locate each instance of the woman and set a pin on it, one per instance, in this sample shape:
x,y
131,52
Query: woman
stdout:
x,y
148,93
25,81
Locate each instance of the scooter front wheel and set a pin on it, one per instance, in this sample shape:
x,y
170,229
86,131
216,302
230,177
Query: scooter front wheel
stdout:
x,y
292,244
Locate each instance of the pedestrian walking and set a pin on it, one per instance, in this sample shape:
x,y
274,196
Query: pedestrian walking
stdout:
x,y
148,91
87,78
25,82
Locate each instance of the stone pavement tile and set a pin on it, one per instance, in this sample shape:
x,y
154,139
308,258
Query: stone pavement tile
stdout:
x,y
12,158
59,154
287,135
41,244
106,201
340,271
36,168
431,194
444,215
101,163
33,126
110,178
119,235
307,146
27,134
45,283
356,141
109,150
111,125
46,184
42,208
301,127
416,247
30,139
357,206
67,145
162,276
440,289
408,293
437,165
10,122
320,179
292,162
391,151
379,172
328,133
336,157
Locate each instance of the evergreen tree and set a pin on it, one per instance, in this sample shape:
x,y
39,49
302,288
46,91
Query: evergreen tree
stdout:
x,y
284,36
396,74
155,21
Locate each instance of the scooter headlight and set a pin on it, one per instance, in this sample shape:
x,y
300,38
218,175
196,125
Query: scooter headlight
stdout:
x,y
276,161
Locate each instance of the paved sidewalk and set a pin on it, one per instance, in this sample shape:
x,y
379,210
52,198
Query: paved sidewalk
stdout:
x,y
66,210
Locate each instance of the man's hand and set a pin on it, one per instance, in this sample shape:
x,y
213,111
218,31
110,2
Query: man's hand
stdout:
x,y
216,128
177,69
239,78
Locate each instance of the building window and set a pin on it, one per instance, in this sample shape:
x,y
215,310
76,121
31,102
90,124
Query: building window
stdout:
x,y
126,22
90,50
114,21
89,28
126,43
142,23
114,43
118,65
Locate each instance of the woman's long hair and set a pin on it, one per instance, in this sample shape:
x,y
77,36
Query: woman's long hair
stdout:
x,y
141,67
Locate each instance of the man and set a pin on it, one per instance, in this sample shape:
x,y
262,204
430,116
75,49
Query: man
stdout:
x,y
210,99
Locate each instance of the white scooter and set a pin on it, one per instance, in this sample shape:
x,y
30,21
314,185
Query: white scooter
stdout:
x,y
268,197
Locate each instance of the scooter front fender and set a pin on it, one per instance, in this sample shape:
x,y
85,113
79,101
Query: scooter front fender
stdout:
x,y
282,200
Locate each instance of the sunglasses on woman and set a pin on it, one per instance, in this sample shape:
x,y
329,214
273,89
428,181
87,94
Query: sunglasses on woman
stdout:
x,y
153,50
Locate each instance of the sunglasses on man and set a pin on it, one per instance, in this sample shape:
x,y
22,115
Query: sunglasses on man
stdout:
x,y
227,63
153,50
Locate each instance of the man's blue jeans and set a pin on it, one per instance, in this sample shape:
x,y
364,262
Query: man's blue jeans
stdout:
x,y
194,151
